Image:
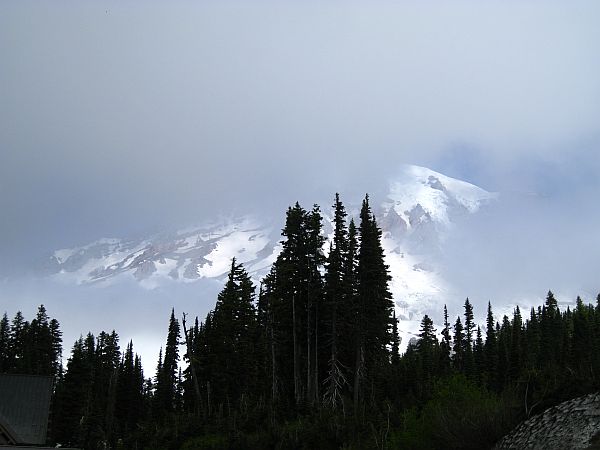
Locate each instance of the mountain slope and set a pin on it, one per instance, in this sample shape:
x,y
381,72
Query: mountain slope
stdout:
x,y
420,208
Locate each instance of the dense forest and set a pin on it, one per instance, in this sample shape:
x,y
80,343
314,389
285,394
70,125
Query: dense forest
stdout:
x,y
310,359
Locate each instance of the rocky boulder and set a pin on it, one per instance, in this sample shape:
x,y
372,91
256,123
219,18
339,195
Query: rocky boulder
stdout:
x,y
574,424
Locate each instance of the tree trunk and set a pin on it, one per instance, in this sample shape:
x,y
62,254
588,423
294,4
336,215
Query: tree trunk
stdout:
x,y
273,379
308,353
296,374
358,369
316,397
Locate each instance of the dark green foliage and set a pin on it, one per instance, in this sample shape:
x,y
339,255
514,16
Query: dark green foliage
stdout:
x,y
469,358
490,349
293,298
459,348
516,345
427,349
165,397
4,344
30,347
373,310
445,345
19,339
130,406
336,311
313,362
73,402
460,415
469,324
100,399
479,357
225,345
395,358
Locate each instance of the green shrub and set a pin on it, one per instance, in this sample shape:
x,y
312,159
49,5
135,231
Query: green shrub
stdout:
x,y
460,415
207,442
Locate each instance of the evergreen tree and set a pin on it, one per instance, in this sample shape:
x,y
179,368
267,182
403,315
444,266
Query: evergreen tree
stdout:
x,y
18,344
41,346
427,347
56,347
74,402
106,367
267,342
532,341
491,348
374,304
469,359
335,307
582,339
445,346
596,341
551,332
504,342
469,324
395,342
315,326
315,292
166,376
5,349
295,294
233,332
129,404
516,346
459,347
349,322
479,356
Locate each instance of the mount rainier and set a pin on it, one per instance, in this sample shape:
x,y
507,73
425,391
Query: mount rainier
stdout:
x,y
420,208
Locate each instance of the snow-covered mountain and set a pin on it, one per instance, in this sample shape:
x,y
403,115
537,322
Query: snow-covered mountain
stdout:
x,y
420,208
188,255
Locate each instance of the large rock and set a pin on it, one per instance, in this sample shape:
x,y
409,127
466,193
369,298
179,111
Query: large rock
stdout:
x,y
574,424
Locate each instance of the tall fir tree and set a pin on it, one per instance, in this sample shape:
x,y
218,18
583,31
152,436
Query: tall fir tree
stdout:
x,y
374,306
469,359
293,296
459,346
233,333
516,345
427,348
551,332
167,371
490,347
72,405
18,345
395,359
445,345
4,344
336,309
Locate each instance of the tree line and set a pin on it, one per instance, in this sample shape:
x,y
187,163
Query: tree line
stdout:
x,y
310,359
30,347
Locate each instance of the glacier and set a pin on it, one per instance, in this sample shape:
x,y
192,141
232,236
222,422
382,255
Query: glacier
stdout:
x,y
420,209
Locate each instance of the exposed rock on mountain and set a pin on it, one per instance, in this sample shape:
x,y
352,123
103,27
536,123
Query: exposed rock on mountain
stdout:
x,y
419,210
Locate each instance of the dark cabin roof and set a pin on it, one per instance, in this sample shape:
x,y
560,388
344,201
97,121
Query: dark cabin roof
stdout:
x,y
24,407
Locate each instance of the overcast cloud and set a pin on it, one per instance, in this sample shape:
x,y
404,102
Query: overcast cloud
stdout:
x,y
121,118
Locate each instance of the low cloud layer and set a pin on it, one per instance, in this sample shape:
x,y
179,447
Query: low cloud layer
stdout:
x,y
122,119
119,118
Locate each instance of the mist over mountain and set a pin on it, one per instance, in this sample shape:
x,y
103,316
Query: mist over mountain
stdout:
x,y
121,126
423,217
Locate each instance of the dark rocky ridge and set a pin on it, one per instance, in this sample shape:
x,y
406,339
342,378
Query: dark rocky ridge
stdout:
x,y
574,424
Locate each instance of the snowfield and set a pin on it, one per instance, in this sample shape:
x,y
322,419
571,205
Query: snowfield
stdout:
x,y
420,208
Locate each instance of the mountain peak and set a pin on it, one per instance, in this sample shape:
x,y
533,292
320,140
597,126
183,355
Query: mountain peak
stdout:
x,y
421,190
419,209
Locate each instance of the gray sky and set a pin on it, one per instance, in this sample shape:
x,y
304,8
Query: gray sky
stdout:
x,y
120,118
